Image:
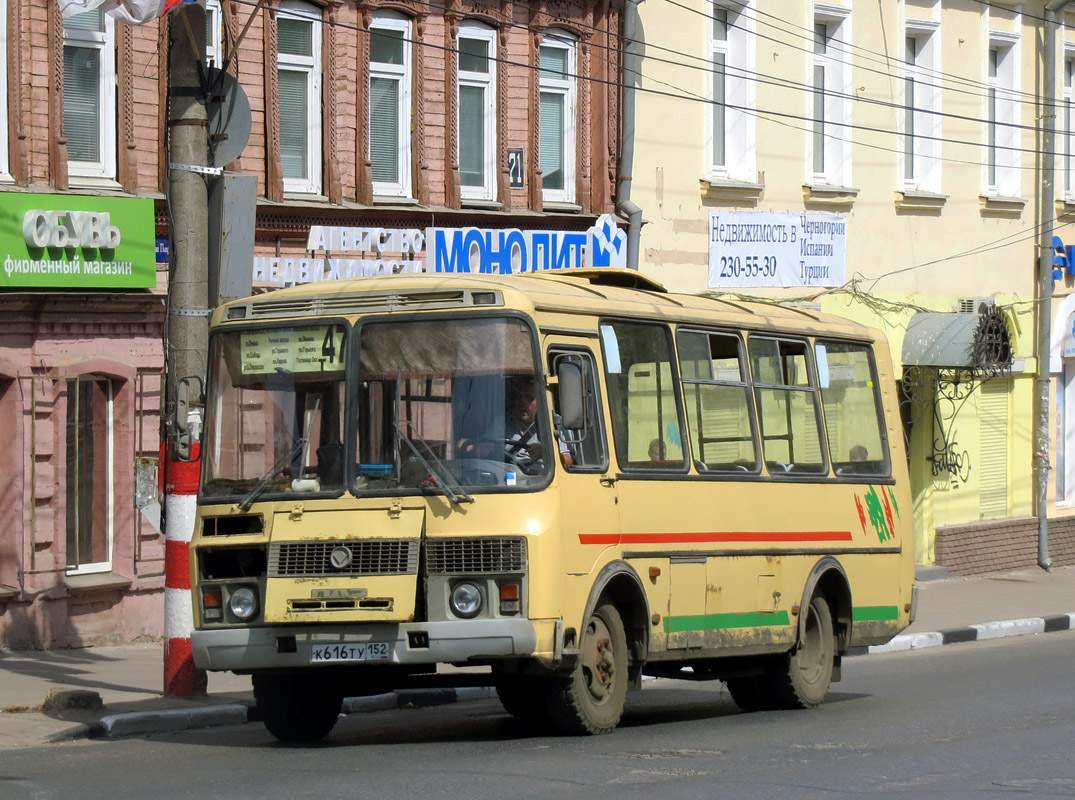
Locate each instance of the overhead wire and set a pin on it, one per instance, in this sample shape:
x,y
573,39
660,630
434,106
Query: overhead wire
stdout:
x,y
780,118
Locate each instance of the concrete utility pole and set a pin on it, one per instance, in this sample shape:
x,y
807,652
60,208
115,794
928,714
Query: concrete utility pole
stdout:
x,y
187,326
1045,276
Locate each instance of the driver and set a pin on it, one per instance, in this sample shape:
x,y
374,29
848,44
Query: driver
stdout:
x,y
522,445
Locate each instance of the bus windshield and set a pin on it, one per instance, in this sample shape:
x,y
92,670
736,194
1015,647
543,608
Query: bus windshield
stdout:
x,y
448,403
441,407
275,422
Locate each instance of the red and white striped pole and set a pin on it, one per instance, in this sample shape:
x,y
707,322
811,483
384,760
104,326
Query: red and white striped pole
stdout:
x,y
181,677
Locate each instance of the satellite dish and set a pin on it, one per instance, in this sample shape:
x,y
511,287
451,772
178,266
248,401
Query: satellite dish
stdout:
x,y
228,110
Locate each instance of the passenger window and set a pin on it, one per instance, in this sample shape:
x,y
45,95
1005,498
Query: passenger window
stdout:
x,y
852,403
642,395
581,449
716,399
787,406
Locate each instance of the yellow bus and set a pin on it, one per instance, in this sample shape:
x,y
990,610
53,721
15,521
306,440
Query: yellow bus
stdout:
x,y
570,479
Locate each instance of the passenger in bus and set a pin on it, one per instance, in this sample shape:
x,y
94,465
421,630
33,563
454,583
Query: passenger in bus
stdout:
x,y
858,453
658,450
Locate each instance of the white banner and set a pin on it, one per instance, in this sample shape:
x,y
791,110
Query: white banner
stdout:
x,y
767,248
133,12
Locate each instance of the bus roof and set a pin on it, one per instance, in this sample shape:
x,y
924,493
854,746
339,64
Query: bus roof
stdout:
x,y
588,292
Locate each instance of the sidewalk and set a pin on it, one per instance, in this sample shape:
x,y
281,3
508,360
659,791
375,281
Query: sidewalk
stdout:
x,y
128,678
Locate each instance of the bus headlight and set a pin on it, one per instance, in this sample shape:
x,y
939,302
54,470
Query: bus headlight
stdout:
x,y
466,599
243,603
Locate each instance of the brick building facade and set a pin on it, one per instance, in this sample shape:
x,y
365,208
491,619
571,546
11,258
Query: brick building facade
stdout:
x,y
364,115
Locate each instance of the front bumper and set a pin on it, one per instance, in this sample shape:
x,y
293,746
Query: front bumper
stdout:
x,y
243,649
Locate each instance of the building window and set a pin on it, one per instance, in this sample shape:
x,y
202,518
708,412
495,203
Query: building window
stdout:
x,y
390,104
1001,136
477,111
214,33
89,475
732,91
921,109
1068,130
89,95
556,114
830,112
298,29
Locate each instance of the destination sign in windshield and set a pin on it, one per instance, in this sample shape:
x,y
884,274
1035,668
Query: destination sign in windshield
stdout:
x,y
296,350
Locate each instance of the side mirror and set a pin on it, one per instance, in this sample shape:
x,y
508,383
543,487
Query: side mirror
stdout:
x,y
572,394
187,420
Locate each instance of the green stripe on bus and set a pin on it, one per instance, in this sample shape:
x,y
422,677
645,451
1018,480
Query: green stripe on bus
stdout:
x,y
716,622
875,613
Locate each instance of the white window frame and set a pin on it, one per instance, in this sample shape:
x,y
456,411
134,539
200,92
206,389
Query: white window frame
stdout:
x,y
567,87
1067,125
920,154
310,67
737,48
470,29
401,74
828,143
110,482
1001,166
5,167
105,43
214,40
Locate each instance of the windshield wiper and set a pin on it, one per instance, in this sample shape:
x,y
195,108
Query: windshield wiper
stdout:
x,y
246,502
459,496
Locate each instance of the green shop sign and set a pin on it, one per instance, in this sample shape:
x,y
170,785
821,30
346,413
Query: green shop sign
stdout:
x,y
65,241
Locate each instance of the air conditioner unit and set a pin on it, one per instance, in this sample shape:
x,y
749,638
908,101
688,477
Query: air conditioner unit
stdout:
x,y
974,305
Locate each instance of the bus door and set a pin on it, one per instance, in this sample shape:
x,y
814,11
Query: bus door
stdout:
x,y
661,516
590,519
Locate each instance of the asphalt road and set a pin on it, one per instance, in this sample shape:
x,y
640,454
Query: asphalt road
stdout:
x,y
989,719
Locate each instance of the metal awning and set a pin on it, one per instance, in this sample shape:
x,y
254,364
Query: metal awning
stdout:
x,y
958,341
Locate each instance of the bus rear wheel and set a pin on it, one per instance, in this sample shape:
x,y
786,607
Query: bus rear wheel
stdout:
x,y
591,699
297,708
806,672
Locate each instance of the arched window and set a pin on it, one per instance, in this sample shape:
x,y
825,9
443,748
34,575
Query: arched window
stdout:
x,y
90,474
390,104
477,110
298,59
556,131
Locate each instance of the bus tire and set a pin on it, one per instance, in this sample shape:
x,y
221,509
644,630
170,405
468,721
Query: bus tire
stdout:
x,y
590,700
806,672
524,699
750,694
297,708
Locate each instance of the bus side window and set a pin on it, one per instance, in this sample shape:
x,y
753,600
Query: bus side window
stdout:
x,y
716,397
581,449
642,396
787,404
852,402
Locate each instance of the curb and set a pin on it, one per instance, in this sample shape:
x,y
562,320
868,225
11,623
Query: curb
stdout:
x,y
145,723
977,633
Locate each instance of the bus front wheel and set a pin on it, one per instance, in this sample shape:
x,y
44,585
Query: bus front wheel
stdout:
x,y
591,699
804,679
297,708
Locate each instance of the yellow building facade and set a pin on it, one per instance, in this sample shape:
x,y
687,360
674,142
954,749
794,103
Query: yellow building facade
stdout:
x,y
882,161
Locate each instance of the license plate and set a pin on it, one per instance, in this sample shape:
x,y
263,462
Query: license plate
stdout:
x,y
351,651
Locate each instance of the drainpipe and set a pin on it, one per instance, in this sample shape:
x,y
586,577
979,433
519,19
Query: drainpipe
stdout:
x,y
632,66
1045,276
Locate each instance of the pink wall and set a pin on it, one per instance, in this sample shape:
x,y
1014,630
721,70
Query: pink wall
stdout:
x,y
44,342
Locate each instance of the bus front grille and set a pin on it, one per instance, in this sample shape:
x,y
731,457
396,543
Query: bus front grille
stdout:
x,y
458,556
328,558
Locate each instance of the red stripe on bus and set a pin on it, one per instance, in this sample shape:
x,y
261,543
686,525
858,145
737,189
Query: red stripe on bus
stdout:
x,y
726,536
